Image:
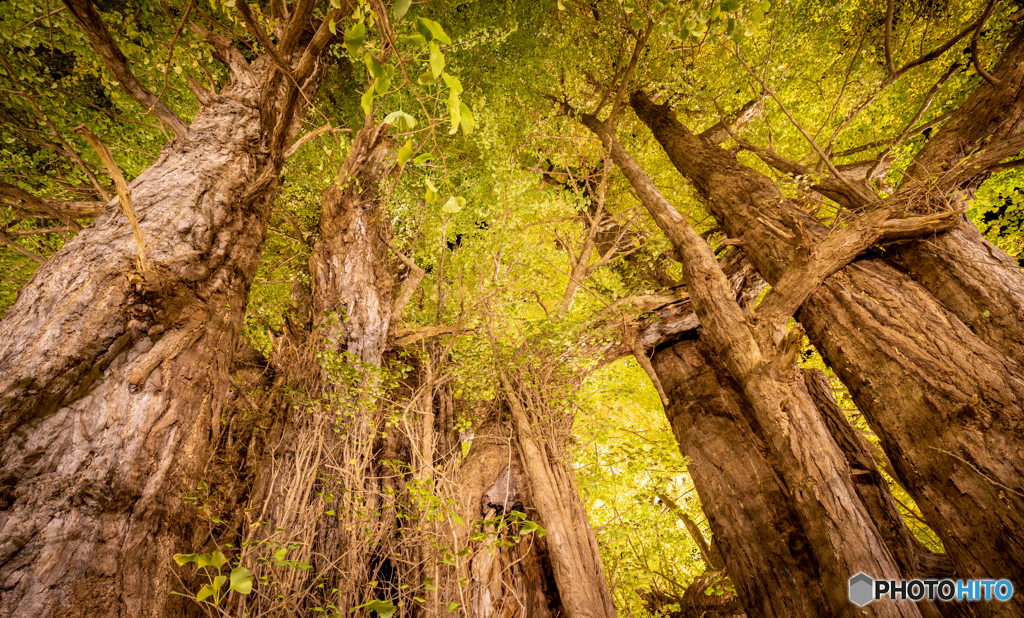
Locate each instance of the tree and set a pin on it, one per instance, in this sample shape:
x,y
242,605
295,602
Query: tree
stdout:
x,y
115,357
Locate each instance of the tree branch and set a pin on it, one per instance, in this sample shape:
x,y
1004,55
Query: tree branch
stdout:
x,y
89,20
123,194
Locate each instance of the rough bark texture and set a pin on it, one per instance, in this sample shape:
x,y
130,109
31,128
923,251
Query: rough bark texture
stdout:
x,y
977,281
504,581
572,545
841,536
946,405
111,392
750,511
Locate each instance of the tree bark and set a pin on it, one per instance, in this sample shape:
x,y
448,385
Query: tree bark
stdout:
x,y
978,282
947,406
110,391
842,537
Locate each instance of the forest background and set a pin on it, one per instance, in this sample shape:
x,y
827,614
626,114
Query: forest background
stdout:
x,y
513,243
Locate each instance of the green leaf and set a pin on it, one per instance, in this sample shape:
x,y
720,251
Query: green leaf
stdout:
x,y
405,152
355,38
183,559
466,120
636,24
432,31
384,609
376,71
561,7
241,580
400,120
366,101
757,16
455,108
452,82
384,82
423,158
436,59
400,8
217,559
453,205
427,78
453,606
529,526
766,6
730,5
204,592
431,194
332,27
412,39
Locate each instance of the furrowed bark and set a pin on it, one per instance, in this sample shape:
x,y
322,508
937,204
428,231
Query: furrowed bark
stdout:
x,y
110,393
763,544
947,406
842,537
978,282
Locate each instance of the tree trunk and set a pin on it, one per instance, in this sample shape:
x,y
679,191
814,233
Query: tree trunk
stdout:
x,y
110,391
841,535
947,406
750,511
977,281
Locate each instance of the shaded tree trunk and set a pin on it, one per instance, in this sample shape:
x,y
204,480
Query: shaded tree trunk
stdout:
x,y
111,391
947,406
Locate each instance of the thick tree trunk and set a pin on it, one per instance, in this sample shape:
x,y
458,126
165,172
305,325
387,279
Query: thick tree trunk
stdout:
x,y
541,432
750,511
841,535
326,440
110,391
977,281
947,406
503,581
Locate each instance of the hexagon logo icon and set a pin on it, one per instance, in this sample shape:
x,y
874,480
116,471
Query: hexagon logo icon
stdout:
x,y
861,589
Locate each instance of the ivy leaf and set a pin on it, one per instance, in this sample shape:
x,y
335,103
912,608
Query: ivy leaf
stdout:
x,y
400,120
412,39
183,559
384,81
241,580
426,79
400,9
466,120
452,82
204,592
431,194
376,71
529,526
404,153
355,38
436,59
